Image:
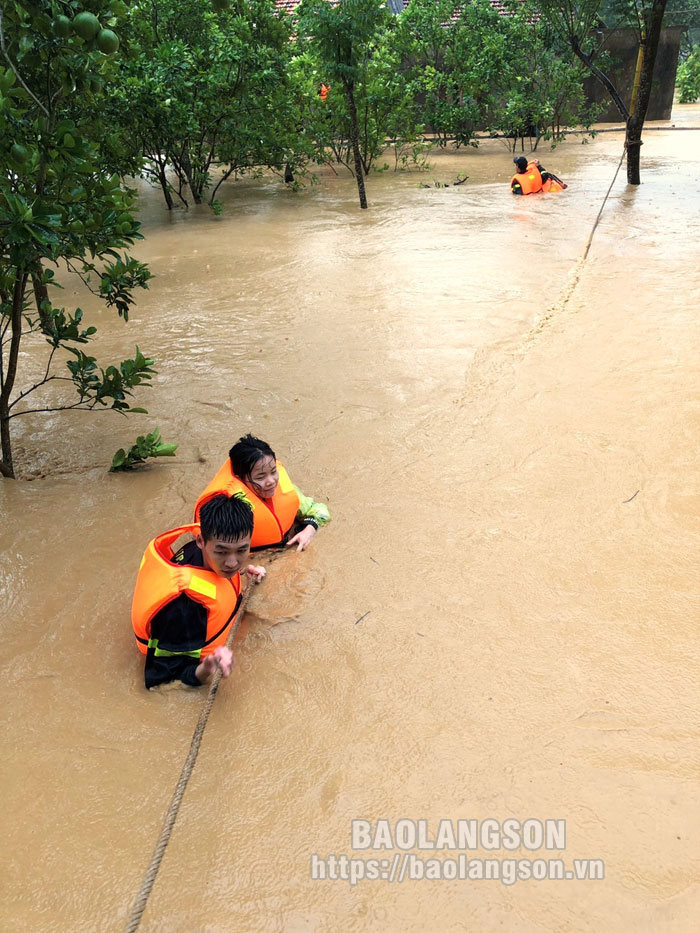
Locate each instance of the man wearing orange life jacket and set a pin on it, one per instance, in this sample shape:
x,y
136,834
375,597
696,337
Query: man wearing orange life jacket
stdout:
x,y
282,514
323,90
186,599
531,178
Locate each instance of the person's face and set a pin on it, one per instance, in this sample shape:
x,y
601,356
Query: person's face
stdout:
x,y
225,558
263,478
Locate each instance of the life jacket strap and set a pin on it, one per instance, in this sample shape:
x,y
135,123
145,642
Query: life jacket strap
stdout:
x,y
164,653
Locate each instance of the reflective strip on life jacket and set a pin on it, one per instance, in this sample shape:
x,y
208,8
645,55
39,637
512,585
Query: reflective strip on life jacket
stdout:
x,y
160,580
272,518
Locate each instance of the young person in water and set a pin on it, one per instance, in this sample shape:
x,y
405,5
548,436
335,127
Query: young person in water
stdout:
x,y
530,178
282,514
185,600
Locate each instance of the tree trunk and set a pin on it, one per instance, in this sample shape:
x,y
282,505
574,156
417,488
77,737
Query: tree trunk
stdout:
x,y
359,174
195,186
635,122
6,465
165,186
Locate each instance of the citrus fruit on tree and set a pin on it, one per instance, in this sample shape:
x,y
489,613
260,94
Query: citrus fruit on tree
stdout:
x,y
107,41
86,25
61,27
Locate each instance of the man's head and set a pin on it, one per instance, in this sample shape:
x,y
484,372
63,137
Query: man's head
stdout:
x,y
520,163
253,461
225,530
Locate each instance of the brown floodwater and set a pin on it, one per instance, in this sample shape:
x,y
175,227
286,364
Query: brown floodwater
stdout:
x,y
514,488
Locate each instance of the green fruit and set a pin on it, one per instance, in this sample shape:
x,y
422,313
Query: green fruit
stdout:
x,y
86,25
124,219
124,228
61,27
68,141
219,5
19,154
76,226
107,41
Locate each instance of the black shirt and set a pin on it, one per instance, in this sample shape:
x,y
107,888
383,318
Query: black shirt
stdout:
x,y
179,626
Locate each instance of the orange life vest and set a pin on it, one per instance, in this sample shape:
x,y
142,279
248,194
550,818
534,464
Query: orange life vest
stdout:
x,y
323,91
160,580
272,518
553,185
530,180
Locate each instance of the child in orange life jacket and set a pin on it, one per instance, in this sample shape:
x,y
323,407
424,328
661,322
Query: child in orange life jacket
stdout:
x,y
185,601
282,514
532,178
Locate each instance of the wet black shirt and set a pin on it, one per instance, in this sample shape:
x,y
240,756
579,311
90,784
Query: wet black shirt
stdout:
x,y
181,625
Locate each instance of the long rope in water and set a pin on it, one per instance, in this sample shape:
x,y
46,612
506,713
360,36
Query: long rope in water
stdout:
x,y
141,900
568,290
602,206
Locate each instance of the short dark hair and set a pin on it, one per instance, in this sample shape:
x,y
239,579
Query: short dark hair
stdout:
x,y
521,163
246,453
227,518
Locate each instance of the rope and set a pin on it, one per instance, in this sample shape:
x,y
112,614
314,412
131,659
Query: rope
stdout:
x,y
602,206
568,289
139,904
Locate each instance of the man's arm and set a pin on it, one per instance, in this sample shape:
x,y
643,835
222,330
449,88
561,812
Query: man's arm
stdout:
x,y
515,187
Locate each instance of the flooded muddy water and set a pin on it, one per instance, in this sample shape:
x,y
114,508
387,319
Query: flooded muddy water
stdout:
x,y
513,482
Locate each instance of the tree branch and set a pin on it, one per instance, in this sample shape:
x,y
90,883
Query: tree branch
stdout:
x,y
42,382
77,406
14,69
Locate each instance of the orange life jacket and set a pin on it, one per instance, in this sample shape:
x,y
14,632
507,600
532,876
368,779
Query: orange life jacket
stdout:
x,y
160,580
530,180
553,185
272,518
323,91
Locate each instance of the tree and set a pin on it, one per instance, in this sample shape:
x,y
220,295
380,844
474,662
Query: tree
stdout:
x,y
453,60
345,38
543,84
689,78
574,20
207,93
60,208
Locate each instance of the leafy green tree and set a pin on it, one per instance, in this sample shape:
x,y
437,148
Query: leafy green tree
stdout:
x,y
453,57
207,95
543,84
386,112
59,207
470,68
574,21
345,39
689,78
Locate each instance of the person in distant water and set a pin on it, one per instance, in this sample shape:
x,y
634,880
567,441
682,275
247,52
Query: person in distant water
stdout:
x,y
282,514
323,90
531,178
185,600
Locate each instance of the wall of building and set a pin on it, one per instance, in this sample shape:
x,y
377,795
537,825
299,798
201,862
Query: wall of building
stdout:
x,y
621,44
